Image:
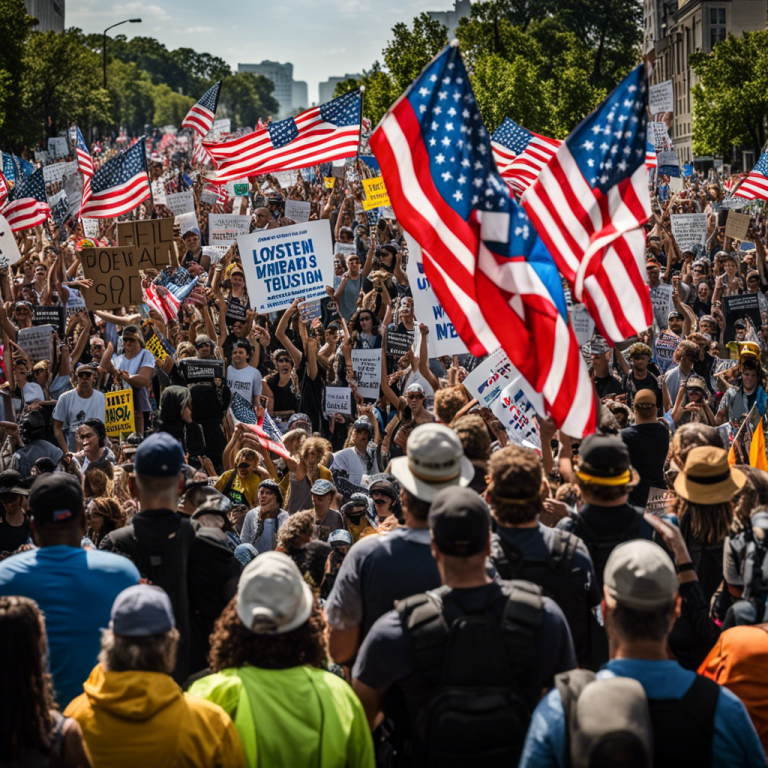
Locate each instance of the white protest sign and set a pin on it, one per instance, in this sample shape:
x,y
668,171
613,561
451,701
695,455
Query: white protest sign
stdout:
x,y
158,192
513,409
187,221
443,338
225,228
36,342
583,325
659,136
661,300
219,127
287,263
215,252
338,400
90,227
57,171
661,98
689,230
181,202
41,156
57,146
734,202
366,363
345,249
209,196
73,186
9,250
298,210
286,179
239,188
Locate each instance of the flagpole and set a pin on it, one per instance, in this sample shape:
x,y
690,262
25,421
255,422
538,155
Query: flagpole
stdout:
x,y
362,106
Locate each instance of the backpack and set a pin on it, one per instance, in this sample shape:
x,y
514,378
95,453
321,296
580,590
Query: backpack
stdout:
x,y
475,667
612,722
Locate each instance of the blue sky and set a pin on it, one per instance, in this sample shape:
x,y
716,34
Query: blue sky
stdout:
x,y
322,38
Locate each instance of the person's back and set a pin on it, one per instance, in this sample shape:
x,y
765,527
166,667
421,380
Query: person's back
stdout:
x,y
648,444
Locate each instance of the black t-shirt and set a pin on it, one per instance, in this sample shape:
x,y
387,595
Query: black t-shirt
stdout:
x,y
633,385
285,399
607,386
12,536
648,445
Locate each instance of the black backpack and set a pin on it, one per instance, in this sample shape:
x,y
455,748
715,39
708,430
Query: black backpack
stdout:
x,y
477,710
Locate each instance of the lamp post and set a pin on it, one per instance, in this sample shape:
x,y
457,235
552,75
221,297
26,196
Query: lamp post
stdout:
x,y
104,45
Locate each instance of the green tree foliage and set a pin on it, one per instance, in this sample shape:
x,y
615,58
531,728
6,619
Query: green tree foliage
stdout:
x,y
412,49
730,101
246,97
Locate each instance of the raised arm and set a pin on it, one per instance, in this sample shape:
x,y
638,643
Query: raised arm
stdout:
x,y
424,359
282,336
394,399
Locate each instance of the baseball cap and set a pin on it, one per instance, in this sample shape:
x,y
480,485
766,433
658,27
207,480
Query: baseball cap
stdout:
x,y
190,231
640,575
299,418
707,319
340,537
272,597
675,313
55,498
604,460
160,455
435,461
460,522
363,424
740,324
202,340
415,387
322,487
12,481
141,611
383,486
645,397
213,503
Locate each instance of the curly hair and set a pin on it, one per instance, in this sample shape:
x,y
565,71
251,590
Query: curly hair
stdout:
x,y
638,348
515,488
185,349
26,688
234,645
690,436
313,445
448,402
473,434
355,329
113,513
686,348
246,454
96,482
298,524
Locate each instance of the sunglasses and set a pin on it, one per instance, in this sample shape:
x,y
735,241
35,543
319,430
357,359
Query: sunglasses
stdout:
x,y
380,499
84,374
414,396
243,465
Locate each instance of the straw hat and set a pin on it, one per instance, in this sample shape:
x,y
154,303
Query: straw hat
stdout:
x,y
707,477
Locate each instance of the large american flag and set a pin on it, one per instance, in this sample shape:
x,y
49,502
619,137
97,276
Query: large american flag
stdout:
x,y
119,185
84,161
589,206
318,135
266,430
200,117
755,186
482,256
27,203
520,154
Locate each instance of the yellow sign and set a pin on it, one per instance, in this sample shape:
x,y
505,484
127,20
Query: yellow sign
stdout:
x,y
155,346
329,181
375,193
119,412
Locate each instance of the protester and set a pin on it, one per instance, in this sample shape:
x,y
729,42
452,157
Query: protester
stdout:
x,y
74,407
262,523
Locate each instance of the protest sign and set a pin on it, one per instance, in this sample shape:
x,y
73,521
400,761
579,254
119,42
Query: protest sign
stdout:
x,y
53,316
721,366
443,338
220,127
298,210
158,192
399,344
737,225
239,188
689,230
90,227
187,221
36,342
375,193
57,147
737,307
215,252
288,263
661,300
338,400
118,412
155,346
41,156
115,275
366,363
225,228
9,249
669,165
209,196
181,202
735,202
73,186
345,249
329,181
286,179
152,240
310,311
195,369
57,171
517,416
661,98
659,500
665,345
583,325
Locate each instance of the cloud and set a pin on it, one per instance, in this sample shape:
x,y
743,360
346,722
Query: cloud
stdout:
x,y
336,51
194,30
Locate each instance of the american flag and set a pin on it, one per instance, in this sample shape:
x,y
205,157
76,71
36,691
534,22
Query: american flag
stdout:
x,y
482,256
3,189
589,206
755,186
200,154
265,429
520,154
167,305
119,185
200,117
84,162
651,160
28,203
318,135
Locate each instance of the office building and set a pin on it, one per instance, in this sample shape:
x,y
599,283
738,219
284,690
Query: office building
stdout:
x,y
290,94
327,88
462,9
49,14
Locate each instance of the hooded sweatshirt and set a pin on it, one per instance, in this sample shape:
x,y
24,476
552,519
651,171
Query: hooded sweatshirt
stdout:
x,y
140,718
189,434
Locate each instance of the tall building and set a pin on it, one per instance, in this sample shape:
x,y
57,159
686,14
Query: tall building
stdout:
x,y
290,94
675,29
329,86
49,14
462,9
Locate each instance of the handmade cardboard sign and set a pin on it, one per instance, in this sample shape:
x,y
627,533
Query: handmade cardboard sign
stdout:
x,y
737,225
115,275
152,240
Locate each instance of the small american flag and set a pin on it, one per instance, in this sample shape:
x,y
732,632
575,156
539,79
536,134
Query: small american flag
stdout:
x,y
589,206
3,189
167,305
200,117
755,186
119,185
520,154
318,135
265,429
28,203
84,161
651,161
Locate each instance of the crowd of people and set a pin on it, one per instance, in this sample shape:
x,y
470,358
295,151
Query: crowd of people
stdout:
x,y
402,582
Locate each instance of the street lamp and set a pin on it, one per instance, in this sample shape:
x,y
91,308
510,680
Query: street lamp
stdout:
x,y
104,45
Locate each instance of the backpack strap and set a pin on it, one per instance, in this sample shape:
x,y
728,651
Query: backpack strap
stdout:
x,y
507,559
564,547
570,685
700,701
422,617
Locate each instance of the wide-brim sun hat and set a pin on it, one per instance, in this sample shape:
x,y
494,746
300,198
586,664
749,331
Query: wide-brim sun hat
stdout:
x,y
707,478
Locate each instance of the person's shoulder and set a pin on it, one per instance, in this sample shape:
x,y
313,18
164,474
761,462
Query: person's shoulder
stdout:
x,y
221,688
110,562
15,565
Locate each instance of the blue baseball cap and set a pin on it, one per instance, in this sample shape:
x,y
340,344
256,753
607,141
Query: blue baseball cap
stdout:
x,y
141,611
160,455
190,231
340,537
321,487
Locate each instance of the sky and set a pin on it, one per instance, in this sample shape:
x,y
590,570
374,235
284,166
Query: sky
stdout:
x,y
322,38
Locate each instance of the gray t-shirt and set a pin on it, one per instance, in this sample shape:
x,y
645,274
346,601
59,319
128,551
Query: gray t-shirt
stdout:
x,y
268,539
349,296
72,410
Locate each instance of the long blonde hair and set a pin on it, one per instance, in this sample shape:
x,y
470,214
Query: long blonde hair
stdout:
x,y
313,445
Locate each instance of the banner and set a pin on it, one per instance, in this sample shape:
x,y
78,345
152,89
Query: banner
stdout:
x,y
366,363
689,230
151,239
298,210
9,249
195,369
225,228
661,98
399,344
115,275
36,342
746,305
118,412
338,400
288,263
443,338
375,193
181,202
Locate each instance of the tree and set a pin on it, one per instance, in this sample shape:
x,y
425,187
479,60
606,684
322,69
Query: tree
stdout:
x,y
170,107
132,97
246,97
411,50
730,101
15,27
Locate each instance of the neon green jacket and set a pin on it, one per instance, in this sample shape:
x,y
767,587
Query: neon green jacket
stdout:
x,y
300,716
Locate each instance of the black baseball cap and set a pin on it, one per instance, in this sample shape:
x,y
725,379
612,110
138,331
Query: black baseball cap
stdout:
x,y
460,522
55,498
604,460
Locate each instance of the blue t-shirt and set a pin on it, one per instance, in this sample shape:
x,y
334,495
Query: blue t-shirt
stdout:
x,y
734,742
75,589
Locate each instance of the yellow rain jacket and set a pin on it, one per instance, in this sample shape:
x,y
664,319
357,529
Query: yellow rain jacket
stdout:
x,y
132,719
